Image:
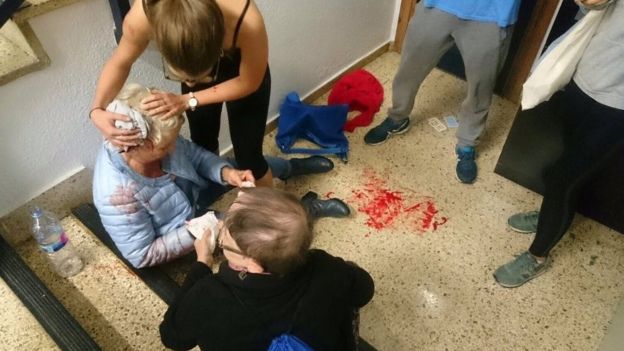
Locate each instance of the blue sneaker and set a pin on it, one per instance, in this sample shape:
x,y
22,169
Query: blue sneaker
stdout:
x,y
466,166
385,130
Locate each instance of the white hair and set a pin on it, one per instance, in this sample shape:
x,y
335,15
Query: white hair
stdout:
x,y
159,129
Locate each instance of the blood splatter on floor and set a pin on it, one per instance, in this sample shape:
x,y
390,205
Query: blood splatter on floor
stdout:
x,y
385,207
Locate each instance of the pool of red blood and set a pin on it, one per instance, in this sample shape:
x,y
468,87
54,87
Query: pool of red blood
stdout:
x,y
384,206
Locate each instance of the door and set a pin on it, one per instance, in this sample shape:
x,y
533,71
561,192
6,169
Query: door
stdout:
x,y
534,20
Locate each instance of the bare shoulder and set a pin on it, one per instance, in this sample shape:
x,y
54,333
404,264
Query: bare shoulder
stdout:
x,y
253,26
232,10
253,19
136,25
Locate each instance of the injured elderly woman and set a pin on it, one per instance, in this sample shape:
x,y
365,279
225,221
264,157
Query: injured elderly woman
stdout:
x,y
146,194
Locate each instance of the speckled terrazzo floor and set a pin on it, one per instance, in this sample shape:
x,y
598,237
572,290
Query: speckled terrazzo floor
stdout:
x,y
18,328
434,289
432,260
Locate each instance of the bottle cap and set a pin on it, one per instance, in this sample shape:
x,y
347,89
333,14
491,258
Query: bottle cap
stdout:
x,y
37,212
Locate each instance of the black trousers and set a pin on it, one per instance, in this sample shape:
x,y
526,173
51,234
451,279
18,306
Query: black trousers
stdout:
x,y
593,134
247,118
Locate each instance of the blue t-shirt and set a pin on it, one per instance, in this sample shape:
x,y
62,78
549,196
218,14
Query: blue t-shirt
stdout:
x,y
502,12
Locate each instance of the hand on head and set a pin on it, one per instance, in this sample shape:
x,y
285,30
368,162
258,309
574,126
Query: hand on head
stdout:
x,y
163,104
121,138
142,107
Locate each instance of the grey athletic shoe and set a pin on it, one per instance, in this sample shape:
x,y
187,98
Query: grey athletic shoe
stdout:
x,y
519,271
524,222
385,130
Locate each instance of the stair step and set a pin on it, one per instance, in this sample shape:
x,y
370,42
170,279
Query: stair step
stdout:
x,y
14,49
109,300
20,52
154,277
43,305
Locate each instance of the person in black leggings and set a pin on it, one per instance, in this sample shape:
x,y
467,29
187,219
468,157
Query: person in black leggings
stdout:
x,y
591,108
247,116
593,134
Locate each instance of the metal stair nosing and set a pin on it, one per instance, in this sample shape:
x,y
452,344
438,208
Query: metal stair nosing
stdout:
x,y
39,300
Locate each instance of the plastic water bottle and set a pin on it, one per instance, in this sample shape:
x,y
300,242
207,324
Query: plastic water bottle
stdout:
x,y
53,241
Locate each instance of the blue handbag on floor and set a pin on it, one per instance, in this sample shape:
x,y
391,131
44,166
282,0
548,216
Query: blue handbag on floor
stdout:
x,y
322,125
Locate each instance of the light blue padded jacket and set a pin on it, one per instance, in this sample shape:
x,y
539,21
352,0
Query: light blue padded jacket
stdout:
x,y
146,217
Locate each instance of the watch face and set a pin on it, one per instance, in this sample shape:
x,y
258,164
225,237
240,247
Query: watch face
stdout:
x,y
193,102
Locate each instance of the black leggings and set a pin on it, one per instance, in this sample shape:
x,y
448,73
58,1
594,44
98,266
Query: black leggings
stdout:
x,y
593,133
247,121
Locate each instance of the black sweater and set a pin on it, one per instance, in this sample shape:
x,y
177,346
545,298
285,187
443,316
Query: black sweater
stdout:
x,y
223,312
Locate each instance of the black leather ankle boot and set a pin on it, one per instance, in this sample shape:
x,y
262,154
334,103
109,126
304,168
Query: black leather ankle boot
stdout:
x,y
324,208
309,165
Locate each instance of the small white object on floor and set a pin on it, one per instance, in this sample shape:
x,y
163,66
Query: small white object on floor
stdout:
x,y
436,124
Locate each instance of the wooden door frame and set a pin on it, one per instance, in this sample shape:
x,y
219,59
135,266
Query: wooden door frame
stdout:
x,y
405,14
530,45
533,38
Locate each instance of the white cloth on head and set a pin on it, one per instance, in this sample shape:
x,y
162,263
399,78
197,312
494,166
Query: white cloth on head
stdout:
x,y
137,119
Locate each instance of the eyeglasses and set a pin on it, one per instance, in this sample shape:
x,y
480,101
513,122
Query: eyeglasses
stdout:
x,y
225,247
208,78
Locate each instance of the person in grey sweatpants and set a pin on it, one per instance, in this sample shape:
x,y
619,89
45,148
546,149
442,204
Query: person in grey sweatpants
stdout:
x,y
483,46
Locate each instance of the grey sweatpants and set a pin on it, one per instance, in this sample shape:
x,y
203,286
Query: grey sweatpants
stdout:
x,y
483,47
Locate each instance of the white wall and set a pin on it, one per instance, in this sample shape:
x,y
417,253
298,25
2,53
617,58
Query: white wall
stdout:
x,y
45,135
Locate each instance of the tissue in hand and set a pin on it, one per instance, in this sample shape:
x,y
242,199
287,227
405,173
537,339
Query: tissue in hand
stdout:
x,y
198,226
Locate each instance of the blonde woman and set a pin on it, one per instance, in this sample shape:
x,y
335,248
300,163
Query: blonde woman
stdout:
x,y
218,51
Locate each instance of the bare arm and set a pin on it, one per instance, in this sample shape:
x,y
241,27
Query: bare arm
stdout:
x,y
136,36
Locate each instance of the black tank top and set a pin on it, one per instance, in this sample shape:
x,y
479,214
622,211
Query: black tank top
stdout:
x,y
230,62
238,25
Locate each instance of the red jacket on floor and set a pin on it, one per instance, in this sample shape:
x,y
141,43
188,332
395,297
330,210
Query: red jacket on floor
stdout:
x,y
362,92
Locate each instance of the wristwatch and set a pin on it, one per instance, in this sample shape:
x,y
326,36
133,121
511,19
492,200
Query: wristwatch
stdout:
x,y
192,101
